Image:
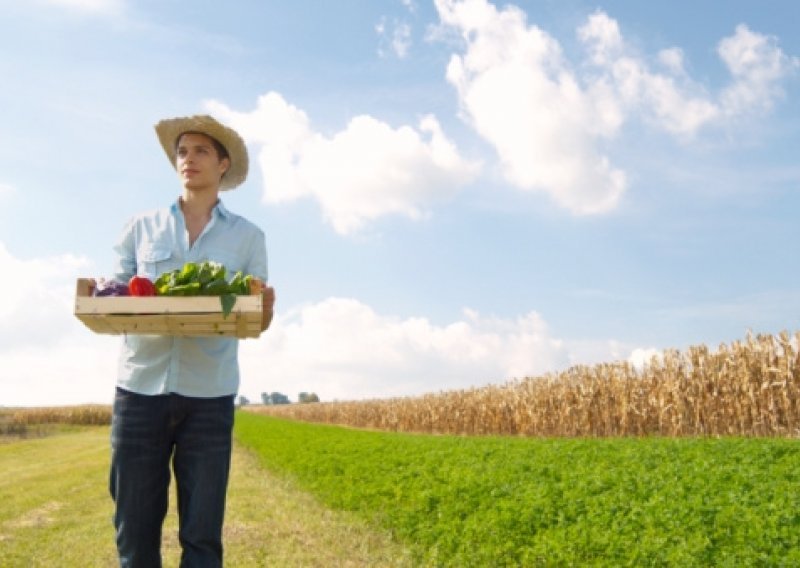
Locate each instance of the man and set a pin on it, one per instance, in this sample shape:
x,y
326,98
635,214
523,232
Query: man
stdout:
x,y
175,395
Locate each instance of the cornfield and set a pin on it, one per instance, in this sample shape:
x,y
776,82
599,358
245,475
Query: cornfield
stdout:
x,y
747,388
89,414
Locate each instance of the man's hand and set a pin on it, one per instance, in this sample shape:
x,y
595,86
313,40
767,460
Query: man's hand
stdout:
x,y
268,305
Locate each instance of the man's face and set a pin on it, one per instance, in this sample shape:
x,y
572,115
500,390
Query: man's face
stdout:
x,y
198,163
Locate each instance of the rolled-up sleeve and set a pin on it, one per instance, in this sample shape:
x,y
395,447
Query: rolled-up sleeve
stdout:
x,y
257,264
125,254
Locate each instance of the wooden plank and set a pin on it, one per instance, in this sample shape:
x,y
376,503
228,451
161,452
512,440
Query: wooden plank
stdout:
x,y
240,325
160,304
175,329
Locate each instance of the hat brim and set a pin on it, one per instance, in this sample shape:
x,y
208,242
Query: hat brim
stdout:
x,y
169,130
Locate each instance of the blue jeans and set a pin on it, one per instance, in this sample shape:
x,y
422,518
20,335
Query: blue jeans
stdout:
x,y
146,433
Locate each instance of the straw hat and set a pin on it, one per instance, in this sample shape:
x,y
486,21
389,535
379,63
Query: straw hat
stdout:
x,y
169,130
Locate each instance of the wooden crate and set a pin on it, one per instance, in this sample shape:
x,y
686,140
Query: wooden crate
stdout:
x,y
196,316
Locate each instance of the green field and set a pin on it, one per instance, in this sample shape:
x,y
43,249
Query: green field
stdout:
x,y
55,511
467,501
314,495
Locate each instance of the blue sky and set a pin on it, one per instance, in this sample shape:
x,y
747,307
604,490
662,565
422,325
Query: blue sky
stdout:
x,y
454,193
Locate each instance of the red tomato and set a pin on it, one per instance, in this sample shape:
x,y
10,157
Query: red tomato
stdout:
x,y
141,286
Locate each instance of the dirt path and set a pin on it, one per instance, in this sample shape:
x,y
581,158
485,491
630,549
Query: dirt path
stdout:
x,y
271,523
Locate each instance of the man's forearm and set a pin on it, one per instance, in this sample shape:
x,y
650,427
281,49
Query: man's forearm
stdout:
x,y
268,306
266,318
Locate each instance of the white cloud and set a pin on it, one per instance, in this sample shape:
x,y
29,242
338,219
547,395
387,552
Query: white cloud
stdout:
x,y
548,119
46,355
671,100
34,296
339,348
672,59
79,368
758,66
640,357
659,97
518,92
366,171
343,349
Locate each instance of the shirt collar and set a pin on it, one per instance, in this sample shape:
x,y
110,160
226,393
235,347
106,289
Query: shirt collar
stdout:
x,y
223,211
219,208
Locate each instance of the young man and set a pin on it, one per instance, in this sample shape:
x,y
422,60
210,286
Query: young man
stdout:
x,y
175,395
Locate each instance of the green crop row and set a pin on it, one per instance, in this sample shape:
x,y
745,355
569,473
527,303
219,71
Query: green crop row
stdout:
x,y
494,501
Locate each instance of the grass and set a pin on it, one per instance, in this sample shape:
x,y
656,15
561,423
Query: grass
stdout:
x,y
57,512
466,501
331,496
55,501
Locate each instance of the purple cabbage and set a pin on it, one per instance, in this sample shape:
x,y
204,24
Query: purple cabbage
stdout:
x,y
110,288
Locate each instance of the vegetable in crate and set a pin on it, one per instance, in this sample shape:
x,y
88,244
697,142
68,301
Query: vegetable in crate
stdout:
x,y
141,286
207,278
110,288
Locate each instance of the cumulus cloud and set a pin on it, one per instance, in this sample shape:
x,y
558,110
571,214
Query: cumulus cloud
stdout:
x,y
35,296
670,99
339,348
46,355
517,90
78,369
640,357
665,99
366,171
342,349
548,119
757,66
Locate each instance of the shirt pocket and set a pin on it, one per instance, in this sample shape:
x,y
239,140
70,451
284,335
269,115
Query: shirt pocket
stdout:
x,y
152,260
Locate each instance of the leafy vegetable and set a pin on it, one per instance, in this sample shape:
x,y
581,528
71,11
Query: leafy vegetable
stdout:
x,y
508,501
207,278
227,301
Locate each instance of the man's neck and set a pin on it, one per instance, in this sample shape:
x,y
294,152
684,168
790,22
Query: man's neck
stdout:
x,y
198,204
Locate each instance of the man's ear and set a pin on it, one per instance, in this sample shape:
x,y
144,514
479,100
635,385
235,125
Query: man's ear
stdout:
x,y
226,162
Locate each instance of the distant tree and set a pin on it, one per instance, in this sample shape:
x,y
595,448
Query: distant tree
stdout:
x,y
279,398
274,398
306,397
243,400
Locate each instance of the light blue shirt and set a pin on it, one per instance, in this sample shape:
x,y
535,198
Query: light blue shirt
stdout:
x,y
156,242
